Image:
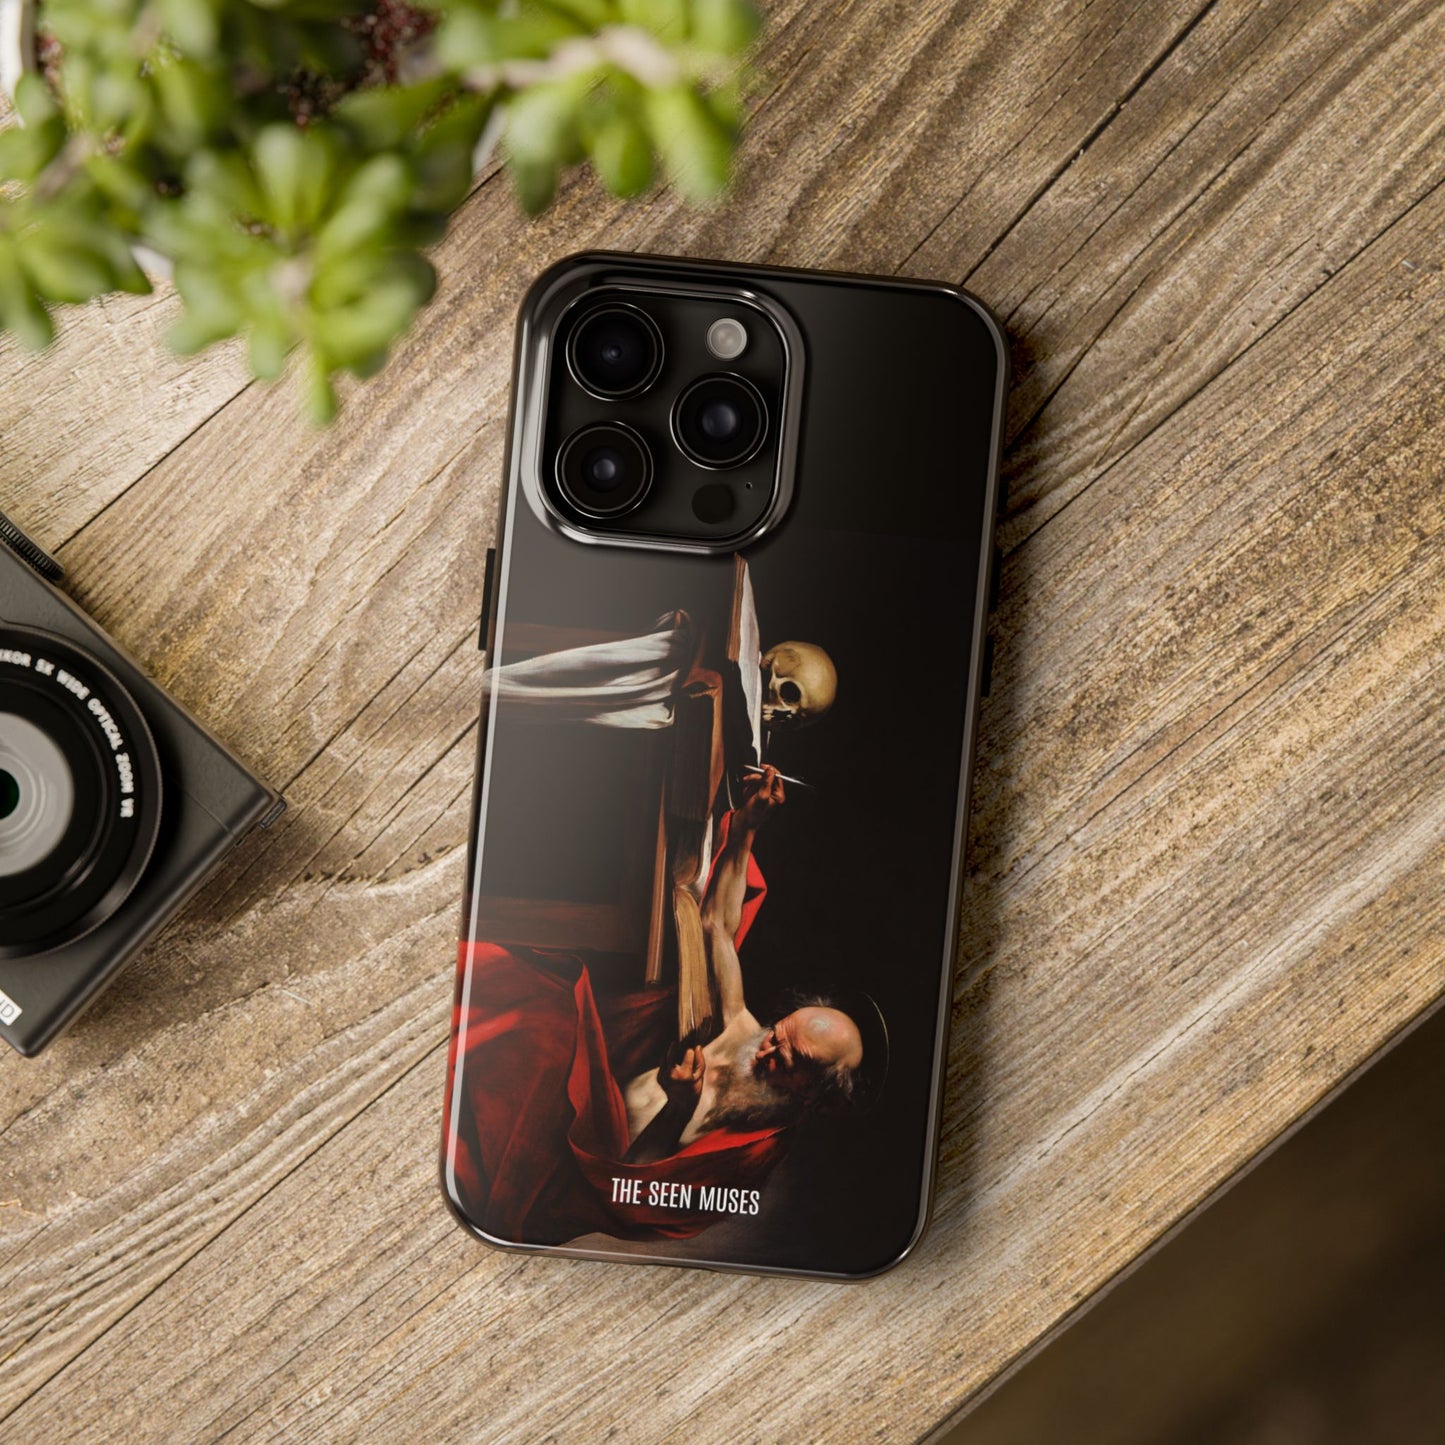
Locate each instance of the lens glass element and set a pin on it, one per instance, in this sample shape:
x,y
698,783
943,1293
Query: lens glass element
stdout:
x,y
604,471
37,795
80,793
720,421
616,351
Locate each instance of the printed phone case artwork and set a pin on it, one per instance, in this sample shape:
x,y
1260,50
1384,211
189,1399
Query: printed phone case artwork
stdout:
x,y
704,972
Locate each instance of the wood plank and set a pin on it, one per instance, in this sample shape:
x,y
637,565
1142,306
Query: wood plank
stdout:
x,y
1204,868
230,1077
313,600
100,407
1264,1004
1257,161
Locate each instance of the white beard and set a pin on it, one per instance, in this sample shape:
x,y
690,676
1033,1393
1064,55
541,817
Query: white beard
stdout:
x,y
746,1098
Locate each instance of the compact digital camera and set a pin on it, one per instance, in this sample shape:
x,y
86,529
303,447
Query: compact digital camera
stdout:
x,y
115,805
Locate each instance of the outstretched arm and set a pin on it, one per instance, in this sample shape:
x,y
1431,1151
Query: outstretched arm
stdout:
x,y
722,908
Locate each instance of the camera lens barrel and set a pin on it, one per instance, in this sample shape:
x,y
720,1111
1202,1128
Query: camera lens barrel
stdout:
x,y
80,793
615,351
605,470
720,421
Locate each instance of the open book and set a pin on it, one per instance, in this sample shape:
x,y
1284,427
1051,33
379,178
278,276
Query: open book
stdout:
x,y
717,733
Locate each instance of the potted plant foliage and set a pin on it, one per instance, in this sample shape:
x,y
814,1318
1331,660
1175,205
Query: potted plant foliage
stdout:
x,y
288,162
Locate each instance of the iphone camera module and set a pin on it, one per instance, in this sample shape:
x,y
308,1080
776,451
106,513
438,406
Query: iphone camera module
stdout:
x,y
668,416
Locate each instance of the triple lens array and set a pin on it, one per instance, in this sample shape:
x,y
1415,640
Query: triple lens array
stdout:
x,y
718,420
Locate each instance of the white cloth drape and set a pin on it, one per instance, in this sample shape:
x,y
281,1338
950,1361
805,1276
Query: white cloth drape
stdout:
x,y
627,683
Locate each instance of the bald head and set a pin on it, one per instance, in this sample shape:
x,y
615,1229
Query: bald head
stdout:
x,y
806,1045
829,1035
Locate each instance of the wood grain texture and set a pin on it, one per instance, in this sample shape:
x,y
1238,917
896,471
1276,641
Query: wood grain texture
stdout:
x,y
1205,862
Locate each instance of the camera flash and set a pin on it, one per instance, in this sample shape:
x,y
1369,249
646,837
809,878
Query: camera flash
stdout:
x,y
727,338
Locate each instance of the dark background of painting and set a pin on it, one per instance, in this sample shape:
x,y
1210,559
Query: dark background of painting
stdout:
x,y
858,867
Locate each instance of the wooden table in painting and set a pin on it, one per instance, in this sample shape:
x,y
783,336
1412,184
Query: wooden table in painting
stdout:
x,y
1205,868
666,792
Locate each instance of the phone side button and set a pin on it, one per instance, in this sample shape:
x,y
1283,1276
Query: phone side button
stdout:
x,y
484,631
986,682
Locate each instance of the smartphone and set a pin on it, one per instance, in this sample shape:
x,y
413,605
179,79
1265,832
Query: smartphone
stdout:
x,y
736,621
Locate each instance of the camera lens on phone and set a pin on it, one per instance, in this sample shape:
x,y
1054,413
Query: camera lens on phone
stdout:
x,y
720,421
604,471
615,351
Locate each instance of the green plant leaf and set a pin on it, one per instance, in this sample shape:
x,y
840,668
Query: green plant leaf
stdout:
x,y
464,38
194,333
533,32
297,171
667,18
21,310
724,27
470,35
118,181
443,154
125,272
225,177
384,117
588,14
370,365
622,153
115,98
535,183
354,336
270,342
320,394
374,198
34,102
212,309
696,148
25,151
193,24
324,49
190,101
725,101
62,272
311,10
542,121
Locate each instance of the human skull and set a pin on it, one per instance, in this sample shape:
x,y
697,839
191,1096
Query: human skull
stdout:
x,y
799,684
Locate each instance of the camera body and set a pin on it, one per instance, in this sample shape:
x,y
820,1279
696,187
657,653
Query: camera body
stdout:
x,y
115,804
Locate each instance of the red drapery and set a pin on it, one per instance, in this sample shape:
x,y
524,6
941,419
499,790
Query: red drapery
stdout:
x,y
541,1130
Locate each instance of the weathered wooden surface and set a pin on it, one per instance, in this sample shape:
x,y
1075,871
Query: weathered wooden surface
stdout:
x,y
1205,865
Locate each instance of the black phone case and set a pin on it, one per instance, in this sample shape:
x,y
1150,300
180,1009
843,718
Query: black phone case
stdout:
x,y
589,961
